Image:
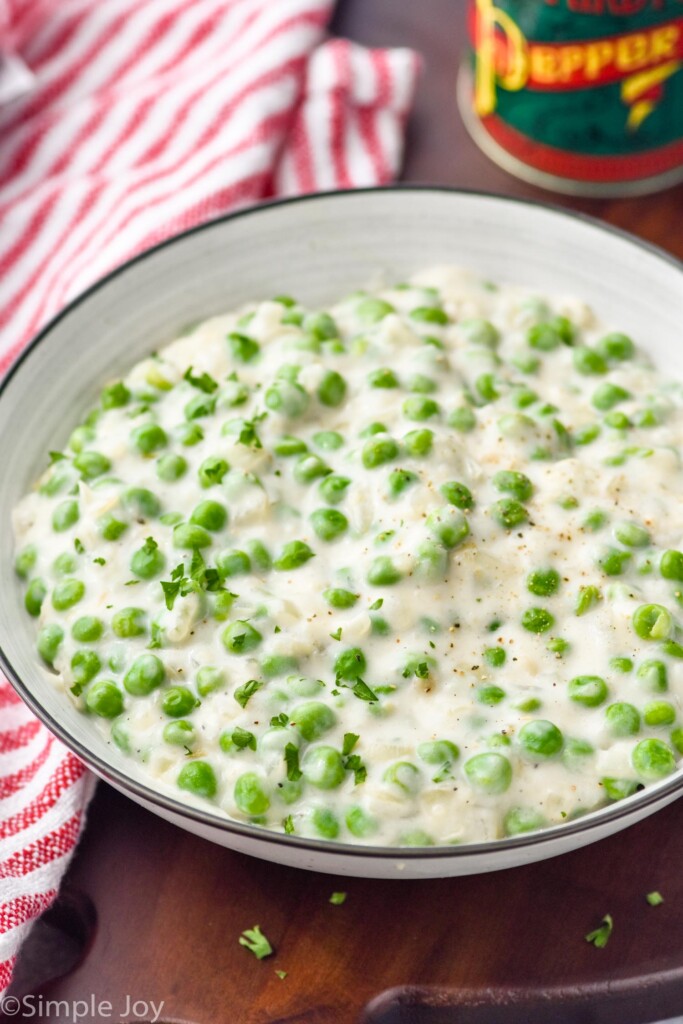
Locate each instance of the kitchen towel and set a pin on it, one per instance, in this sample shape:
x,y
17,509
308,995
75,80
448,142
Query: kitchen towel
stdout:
x,y
144,118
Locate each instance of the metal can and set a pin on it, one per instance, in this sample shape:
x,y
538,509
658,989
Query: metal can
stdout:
x,y
579,96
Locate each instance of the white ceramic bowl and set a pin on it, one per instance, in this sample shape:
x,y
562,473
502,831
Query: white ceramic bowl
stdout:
x,y
316,248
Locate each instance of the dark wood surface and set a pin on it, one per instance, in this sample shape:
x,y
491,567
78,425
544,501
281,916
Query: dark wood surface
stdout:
x,y
171,907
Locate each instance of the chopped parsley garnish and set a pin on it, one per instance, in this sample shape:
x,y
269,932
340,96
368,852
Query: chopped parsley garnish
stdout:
x,y
337,635
280,721
247,435
292,761
243,738
201,578
354,764
56,457
78,545
281,975
654,898
288,825
337,898
100,561
600,936
256,942
157,637
363,691
204,382
376,605
350,740
246,691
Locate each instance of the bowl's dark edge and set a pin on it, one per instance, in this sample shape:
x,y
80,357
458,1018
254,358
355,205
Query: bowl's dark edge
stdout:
x,y
631,806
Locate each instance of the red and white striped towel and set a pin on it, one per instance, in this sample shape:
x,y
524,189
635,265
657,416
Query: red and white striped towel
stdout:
x,y
146,117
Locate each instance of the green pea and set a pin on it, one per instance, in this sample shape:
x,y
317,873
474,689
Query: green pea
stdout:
x,y
622,719
325,823
519,820
84,666
509,513
448,525
178,701
514,483
671,565
462,419
91,464
211,515
587,434
432,560
104,699
371,310
129,622
676,738
632,535
618,789
233,562
400,480
543,582
457,494
294,554
379,451
359,823
419,408
328,440
287,446
149,438
588,597
659,713
87,629
652,622
332,389
420,384
287,398
383,378
590,691
110,527
323,767
489,773
240,637
653,674
383,572
404,775
621,664
495,657
589,361
333,488
653,759
145,674
171,467
148,561
209,679
64,564
115,395
490,695
337,597
480,332
438,751
67,593
608,395
537,620
418,443
616,346
189,434
329,524
617,420
243,348
199,778
373,428
35,595
540,739
350,664
312,720
25,561
49,641
309,468
212,470
321,326
429,315
65,515
141,503
188,536
180,733
80,437
614,561
543,337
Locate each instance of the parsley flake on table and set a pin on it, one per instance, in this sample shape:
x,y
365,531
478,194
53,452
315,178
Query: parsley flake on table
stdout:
x,y
256,942
281,975
337,898
654,898
599,937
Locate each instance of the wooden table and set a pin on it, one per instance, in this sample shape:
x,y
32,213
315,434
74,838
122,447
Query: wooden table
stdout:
x,y
170,907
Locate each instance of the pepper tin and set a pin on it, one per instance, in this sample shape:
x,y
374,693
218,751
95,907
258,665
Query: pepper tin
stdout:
x,y
579,96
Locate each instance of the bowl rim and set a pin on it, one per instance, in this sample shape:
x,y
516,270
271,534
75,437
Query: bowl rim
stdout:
x,y
652,794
